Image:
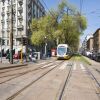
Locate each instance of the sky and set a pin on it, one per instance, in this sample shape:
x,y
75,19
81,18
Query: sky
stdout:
x,y
90,9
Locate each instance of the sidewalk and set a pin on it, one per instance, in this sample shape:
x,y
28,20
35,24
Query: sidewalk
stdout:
x,y
8,65
93,62
5,64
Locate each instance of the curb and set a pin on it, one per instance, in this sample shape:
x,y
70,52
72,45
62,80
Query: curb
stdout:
x,y
13,66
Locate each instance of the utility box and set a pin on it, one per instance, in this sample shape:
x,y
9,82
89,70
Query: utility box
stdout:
x,y
37,55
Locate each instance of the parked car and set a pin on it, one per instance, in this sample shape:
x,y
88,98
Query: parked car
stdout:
x,y
93,56
98,57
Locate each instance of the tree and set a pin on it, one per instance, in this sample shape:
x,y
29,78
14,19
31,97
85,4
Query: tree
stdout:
x,y
65,25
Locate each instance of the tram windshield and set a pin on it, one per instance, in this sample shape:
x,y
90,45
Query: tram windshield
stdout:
x,y
61,50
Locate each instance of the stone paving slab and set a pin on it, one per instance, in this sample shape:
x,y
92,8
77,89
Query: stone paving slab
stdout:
x,y
6,66
80,86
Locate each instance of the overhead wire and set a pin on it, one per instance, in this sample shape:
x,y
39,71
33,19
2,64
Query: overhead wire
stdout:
x,y
81,6
48,8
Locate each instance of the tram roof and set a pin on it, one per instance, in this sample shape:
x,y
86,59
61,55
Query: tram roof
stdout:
x,y
65,45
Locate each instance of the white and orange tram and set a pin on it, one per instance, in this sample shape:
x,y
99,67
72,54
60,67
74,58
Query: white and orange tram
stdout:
x,y
63,51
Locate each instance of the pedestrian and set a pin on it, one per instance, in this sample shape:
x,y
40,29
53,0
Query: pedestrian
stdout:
x,y
8,57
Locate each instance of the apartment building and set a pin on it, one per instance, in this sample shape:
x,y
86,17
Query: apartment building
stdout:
x,y
96,41
23,12
90,44
84,46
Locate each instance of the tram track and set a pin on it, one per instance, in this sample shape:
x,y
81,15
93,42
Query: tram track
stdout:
x,y
97,70
29,67
97,83
31,83
26,72
65,83
18,68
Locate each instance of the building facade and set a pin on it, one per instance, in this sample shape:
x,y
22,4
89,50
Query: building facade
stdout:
x,y
96,41
90,44
23,12
84,46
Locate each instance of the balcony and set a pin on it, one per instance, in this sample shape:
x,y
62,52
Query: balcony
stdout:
x,y
8,29
14,19
29,2
20,17
20,27
20,2
20,9
2,21
3,14
2,31
14,10
19,36
8,12
8,20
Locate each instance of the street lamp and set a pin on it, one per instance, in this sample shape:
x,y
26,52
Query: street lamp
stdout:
x,y
45,46
11,33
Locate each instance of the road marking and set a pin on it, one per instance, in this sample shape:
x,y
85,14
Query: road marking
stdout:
x,y
41,63
47,65
74,68
52,66
63,66
82,67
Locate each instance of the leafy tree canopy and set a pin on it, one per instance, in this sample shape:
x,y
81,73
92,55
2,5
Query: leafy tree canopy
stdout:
x,y
65,25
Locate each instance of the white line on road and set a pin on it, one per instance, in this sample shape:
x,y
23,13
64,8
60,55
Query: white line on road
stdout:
x,y
52,66
82,67
63,66
74,67
47,65
41,63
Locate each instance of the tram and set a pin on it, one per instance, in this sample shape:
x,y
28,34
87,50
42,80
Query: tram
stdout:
x,y
63,51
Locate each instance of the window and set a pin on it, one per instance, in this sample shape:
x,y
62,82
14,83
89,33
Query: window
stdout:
x,y
14,24
8,8
13,42
3,9
14,33
14,7
3,42
14,1
14,18
8,25
8,1
7,42
3,25
7,34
